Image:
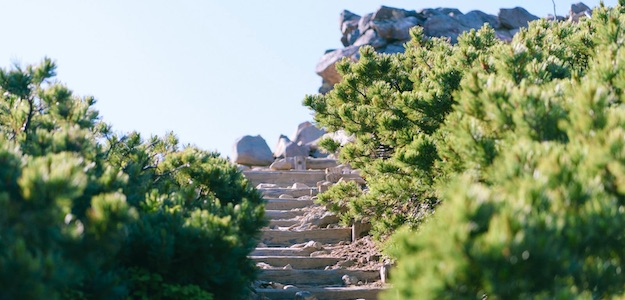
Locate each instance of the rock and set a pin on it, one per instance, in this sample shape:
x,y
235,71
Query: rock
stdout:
x,y
393,48
252,151
281,164
371,37
429,12
243,168
444,26
319,253
364,22
261,245
452,12
263,266
308,134
285,196
325,87
289,287
579,8
349,27
397,30
515,17
324,220
346,263
299,185
304,295
277,286
391,13
347,16
287,148
313,244
326,65
476,19
323,186
266,186
349,280
504,35
288,267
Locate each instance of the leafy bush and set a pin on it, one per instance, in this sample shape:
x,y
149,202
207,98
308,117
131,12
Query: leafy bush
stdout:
x,y
88,214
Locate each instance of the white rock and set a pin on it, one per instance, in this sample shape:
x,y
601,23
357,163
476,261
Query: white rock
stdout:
x,y
281,164
266,186
288,267
289,287
285,196
252,151
299,185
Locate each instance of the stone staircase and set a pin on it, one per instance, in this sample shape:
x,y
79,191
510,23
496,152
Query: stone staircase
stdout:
x,y
293,256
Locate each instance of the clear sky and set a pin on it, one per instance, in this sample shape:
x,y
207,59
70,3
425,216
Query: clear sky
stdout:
x,y
210,71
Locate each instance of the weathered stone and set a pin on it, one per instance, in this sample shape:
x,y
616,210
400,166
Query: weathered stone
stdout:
x,y
515,17
288,148
350,38
452,12
347,15
391,13
371,37
365,22
504,35
397,30
307,134
299,185
349,27
326,66
476,19
281,164
252,151
429,12
444,26
397,47
325,87
579,8
285,196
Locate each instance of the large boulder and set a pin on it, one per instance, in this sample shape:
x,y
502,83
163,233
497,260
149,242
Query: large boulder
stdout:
x,y
517,17
391,13
371,37
288,148
365,22
308,134
326,67
579,8
252,151
444,26
396,30
349,27
476,19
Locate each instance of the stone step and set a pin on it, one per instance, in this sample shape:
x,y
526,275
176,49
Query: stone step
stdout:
x,y
297,262
280,251
317,277
276,203
286,237
324,293
284,223
283,214
295,193
286,178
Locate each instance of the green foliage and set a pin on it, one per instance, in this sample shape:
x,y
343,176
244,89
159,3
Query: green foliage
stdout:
x,y
524,153
88,214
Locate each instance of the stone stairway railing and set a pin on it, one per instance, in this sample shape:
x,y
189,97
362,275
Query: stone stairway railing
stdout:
x,y
293,256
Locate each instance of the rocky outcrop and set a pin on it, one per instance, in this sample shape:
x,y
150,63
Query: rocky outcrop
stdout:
x,y
388,28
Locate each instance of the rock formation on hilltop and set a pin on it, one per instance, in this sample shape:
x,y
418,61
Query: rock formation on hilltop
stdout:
x,y
387,29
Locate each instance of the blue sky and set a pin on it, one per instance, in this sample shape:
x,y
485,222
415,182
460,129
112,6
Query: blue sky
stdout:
x,y
210,71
